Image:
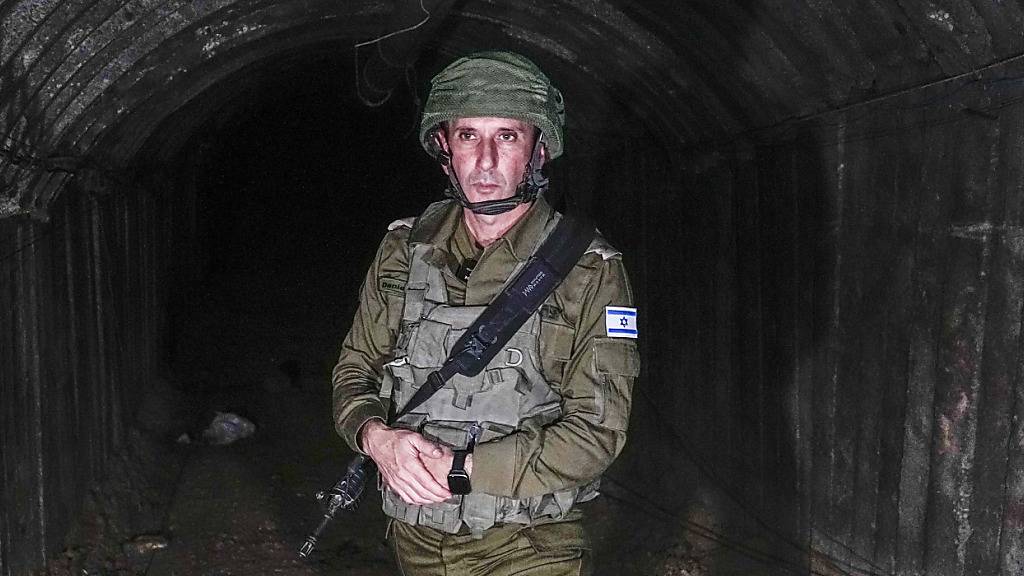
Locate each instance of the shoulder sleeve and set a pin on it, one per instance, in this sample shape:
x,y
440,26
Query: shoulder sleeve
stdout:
x,y
368,346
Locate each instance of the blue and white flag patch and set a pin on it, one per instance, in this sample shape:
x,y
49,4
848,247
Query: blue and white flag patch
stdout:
x,y
620,322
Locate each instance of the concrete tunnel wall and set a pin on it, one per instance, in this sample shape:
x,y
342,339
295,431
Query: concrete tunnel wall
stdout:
x,y
823,225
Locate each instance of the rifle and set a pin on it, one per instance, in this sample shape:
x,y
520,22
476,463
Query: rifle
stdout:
x,y
344,495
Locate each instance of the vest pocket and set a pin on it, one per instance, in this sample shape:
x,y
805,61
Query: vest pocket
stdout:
x,y
427,347
494,397
398,382
443,516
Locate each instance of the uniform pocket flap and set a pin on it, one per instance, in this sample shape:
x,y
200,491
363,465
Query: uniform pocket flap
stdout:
x,y
616,356
555,341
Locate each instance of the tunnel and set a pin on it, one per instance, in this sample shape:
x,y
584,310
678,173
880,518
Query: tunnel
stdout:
x,y
819,204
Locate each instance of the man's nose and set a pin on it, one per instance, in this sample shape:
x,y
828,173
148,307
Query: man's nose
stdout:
x,y
488,154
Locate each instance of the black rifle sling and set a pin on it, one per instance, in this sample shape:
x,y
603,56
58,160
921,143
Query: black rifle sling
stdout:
x,y
510,309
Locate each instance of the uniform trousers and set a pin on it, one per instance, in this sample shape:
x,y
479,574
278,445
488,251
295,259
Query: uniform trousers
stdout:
x,y
553,549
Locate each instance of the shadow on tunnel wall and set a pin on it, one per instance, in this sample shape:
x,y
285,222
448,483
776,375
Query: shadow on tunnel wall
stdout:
x,y
734,272
835,355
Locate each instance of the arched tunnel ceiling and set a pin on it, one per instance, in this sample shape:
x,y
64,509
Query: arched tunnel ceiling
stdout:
x,y
84,83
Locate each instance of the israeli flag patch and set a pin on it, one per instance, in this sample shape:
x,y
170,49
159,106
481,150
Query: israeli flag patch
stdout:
x,y
620,322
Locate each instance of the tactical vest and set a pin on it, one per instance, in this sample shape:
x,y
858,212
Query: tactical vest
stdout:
x,y
509,391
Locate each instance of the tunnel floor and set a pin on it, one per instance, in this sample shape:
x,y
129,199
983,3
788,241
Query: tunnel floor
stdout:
x,y
245,508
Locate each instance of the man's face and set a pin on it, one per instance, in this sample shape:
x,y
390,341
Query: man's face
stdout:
x,y
489,155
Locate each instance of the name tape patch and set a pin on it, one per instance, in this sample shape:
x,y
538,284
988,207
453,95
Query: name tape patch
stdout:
x,y
391,285
620,322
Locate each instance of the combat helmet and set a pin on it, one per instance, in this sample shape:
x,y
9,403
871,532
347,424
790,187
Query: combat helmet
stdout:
x,y
498,84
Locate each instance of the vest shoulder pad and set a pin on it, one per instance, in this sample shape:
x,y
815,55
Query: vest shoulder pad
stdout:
x,y
426,225
402,223
601,247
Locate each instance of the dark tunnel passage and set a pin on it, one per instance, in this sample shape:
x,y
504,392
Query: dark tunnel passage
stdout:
x,y
292,179
819,204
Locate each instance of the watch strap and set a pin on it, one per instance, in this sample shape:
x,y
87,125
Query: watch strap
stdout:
x,y
458,478
459,461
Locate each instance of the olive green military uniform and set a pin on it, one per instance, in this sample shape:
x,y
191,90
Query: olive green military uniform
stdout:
x,y
590,371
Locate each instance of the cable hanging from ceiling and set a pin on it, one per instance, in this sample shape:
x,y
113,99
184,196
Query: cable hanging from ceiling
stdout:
x,y
355,52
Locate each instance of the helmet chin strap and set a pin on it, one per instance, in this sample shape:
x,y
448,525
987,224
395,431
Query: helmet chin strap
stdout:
x,y
533,185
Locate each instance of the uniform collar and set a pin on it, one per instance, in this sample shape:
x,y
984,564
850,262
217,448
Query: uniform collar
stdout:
x,y
523,238
462,243
444,220
439,224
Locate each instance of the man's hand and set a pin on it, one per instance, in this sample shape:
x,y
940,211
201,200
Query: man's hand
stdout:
x,y
401,456
439,467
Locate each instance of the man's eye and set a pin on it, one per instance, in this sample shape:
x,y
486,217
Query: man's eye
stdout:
x,y
466,135
507,137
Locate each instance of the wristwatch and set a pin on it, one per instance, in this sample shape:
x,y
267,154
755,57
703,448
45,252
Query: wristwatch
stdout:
x,y
458,478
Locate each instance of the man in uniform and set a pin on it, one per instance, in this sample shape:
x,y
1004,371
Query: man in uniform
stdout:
x,y
549,413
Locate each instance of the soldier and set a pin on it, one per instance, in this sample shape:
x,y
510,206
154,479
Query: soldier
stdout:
x,y
549,413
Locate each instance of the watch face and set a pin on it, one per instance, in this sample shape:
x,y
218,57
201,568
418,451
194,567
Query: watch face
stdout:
x,y
458,482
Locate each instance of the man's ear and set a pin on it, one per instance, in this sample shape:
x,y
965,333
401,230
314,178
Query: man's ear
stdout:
x,y
542,154
441,141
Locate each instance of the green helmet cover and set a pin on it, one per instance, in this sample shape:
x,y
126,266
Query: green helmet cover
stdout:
x,y
496,84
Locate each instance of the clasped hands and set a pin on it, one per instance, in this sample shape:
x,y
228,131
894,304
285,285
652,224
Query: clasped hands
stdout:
x,y
414,467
